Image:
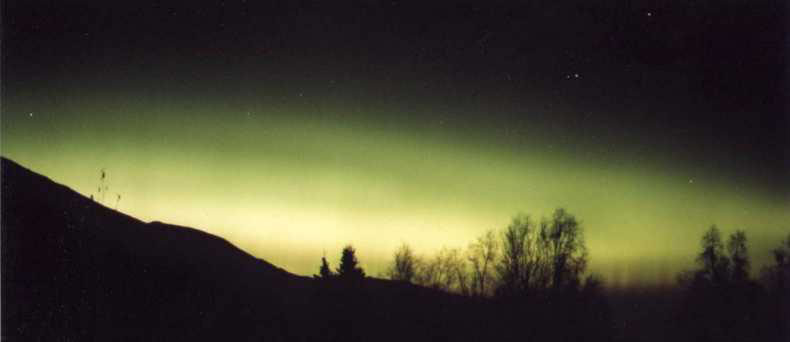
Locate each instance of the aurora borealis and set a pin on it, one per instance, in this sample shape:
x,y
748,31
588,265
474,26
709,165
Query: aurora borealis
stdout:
x,y
311,140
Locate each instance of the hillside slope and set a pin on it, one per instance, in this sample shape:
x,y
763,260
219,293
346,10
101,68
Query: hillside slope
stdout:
x,y
73,269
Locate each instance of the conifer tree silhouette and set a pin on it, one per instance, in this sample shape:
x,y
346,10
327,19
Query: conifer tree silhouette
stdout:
x,y
349,265
325,272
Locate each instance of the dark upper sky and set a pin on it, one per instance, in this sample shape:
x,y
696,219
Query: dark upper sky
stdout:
x,y
722,61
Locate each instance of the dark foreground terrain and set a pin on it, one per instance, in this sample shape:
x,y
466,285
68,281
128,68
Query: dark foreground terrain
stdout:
x,y
74,270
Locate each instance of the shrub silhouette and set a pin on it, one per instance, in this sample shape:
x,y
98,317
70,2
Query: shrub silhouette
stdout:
x,y
103,187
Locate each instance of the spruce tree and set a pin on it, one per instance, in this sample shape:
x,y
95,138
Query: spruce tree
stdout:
x,y
325,272
349,268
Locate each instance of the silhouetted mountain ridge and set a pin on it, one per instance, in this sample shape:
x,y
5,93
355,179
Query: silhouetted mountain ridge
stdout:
x,y
41,188
74,269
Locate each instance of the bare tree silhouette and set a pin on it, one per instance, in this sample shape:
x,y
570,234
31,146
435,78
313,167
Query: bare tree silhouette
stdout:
x,y
483,253
534,258
721,301
445,271
513,265
404,266
715,264
566,248
739,256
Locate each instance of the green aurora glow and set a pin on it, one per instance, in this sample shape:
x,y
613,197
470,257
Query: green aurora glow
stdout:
x,y
288,179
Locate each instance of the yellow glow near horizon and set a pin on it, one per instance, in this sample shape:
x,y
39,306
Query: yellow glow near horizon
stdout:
x,y
287,188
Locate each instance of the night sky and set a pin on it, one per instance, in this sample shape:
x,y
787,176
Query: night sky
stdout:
x,y
294,128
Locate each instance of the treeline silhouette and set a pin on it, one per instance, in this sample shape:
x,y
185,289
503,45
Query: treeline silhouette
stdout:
x,y
528,282
722,302
526,258
75,270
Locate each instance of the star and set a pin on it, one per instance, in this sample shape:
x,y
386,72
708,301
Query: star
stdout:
x,y
30,114
649,14
691,181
